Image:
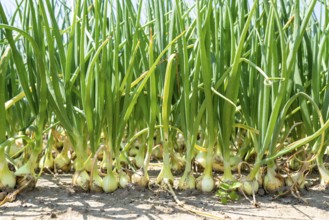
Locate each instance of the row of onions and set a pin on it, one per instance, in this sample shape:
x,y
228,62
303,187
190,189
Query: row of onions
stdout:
x,y
205,89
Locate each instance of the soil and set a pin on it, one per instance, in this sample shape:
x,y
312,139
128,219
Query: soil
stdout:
x,y
54,199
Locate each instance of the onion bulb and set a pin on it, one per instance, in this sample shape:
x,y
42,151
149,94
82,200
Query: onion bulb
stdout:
x,y
139,159
297,179
205,183
80,181
7,178
249,187
139,179
124,180
177,163
25,169
110,182
46,161
187,182
272,181
97,183
62,161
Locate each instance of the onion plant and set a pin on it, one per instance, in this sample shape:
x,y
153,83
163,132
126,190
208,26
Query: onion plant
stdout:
x,y
7,178
288,59
37,98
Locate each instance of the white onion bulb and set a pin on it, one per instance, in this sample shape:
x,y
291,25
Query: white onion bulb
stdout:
x,y
110,183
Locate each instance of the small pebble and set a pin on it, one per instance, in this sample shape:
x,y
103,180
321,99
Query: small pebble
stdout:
x,y
53,215
124,194
70,193
286,201
261,192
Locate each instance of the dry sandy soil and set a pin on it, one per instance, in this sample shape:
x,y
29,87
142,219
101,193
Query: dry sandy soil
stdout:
x,y
54,199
